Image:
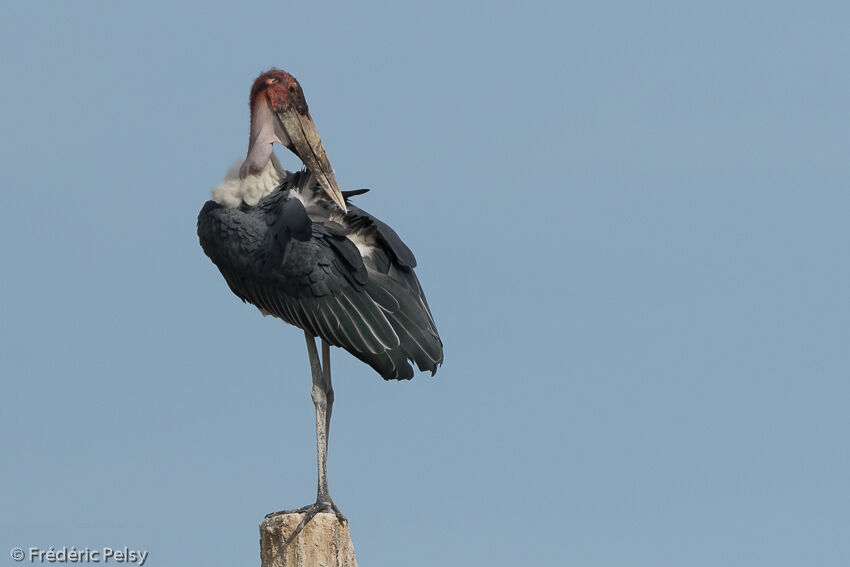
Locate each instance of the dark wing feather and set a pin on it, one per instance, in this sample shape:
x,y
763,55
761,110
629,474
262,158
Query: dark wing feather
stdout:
x,y
321,284
358,219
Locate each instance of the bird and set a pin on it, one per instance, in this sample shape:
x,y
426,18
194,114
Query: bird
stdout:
x,y
295,246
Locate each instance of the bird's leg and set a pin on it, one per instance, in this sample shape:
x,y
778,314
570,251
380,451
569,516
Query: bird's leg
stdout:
x,y
329,389
320,400
329,396
323,400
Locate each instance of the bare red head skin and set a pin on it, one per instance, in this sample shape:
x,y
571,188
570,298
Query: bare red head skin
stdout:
x,y
282,91
279,114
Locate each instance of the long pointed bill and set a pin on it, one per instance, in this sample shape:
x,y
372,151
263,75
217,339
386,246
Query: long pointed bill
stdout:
x,y
308,146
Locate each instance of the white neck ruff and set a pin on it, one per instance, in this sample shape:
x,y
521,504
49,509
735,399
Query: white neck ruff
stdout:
x,y
234,191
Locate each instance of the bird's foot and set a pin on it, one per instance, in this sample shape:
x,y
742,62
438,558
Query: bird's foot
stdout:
x,y
323,504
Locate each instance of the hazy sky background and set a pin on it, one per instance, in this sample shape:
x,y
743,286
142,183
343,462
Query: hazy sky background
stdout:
x,y
631,221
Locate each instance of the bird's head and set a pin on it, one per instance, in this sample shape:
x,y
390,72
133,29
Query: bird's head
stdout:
x,y
279,114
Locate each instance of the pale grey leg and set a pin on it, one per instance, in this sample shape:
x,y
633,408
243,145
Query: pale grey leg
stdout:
x,y
323,396
329,404
320,400
329,389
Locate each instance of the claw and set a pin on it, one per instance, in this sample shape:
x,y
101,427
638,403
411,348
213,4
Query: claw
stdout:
x,y
300,510
339,517
309,515
309,512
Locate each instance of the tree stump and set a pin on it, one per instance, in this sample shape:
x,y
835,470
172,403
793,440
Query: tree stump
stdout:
x,y
323,542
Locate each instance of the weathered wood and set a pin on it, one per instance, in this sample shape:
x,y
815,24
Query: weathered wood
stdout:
x,y
323,542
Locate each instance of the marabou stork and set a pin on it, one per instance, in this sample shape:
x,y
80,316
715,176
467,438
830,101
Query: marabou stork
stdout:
x,y
294,246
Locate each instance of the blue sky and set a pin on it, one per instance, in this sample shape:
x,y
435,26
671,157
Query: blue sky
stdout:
x,y
631,222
